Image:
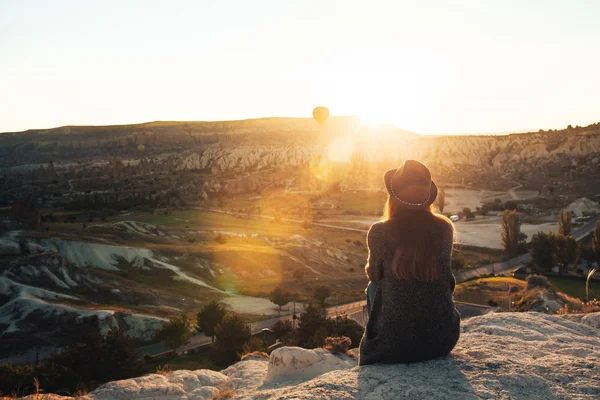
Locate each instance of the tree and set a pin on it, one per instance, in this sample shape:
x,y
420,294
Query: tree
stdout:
x,y
510,205
321,293
209,317
596,243
442,199
565,251
232,333
466,211
175,333
313,319
483,211
279,297
89,360
542,249
511,229
565,225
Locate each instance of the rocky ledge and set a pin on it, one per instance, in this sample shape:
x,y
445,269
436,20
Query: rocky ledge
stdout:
x,y
499,356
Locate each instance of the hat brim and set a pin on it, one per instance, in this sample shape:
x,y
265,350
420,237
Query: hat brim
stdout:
x,y
433,190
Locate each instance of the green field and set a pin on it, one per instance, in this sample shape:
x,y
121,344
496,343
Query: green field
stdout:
x,y
575,288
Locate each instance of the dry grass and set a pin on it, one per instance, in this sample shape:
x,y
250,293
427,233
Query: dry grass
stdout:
x,y
255,354
339,344
224,394
163,369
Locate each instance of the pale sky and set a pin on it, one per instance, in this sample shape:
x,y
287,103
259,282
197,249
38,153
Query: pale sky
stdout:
x,y
427,66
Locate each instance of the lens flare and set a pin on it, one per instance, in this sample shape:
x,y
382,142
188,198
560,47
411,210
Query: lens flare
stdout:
x,y
340,149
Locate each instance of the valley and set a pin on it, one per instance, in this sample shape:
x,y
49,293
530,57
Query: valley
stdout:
x,y
94,226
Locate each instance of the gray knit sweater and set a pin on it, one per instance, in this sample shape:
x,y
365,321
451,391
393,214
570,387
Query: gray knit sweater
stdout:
x,y
411,320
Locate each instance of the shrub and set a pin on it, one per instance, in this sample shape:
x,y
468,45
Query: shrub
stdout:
x,y
538,281
163,369
339,344
282,328
175,333
344,326
254,345
225,393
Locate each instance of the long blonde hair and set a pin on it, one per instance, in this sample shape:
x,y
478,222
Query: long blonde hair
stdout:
x,y
418,232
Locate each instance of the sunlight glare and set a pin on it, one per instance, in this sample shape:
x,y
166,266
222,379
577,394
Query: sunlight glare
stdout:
x,y
340,149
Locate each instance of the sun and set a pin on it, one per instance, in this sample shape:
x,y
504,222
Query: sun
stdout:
x,y
340,149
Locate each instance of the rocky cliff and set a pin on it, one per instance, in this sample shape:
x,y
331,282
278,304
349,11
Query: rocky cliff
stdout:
x,y
499,356
275,143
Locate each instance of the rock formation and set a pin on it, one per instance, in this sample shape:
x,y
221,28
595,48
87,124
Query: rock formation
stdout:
x,y
499,356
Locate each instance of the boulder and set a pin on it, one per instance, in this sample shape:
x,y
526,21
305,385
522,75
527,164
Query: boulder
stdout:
x,y
296,363
9,248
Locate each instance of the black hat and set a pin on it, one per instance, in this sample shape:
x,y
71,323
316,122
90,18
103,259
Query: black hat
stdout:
x,y
411,185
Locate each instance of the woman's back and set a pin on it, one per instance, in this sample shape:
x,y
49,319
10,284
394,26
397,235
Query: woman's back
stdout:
x,y
411,319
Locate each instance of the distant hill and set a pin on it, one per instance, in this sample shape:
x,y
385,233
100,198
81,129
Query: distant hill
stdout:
x,y
208,127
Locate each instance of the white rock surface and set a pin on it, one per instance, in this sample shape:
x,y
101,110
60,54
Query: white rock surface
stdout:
x,y
9,248
499,356
296,363
178,385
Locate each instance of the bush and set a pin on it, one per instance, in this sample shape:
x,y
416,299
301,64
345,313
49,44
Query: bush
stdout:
x,y
282,328
344,326
339,344
175,333
254,345
538,281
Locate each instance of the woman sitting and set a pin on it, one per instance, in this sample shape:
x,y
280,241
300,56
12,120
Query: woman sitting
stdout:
x,y
412,316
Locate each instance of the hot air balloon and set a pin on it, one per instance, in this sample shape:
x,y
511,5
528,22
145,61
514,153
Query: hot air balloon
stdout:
x,y
320,114
141,148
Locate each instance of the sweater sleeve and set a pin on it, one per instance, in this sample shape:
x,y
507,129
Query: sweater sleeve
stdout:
x,y
374,267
